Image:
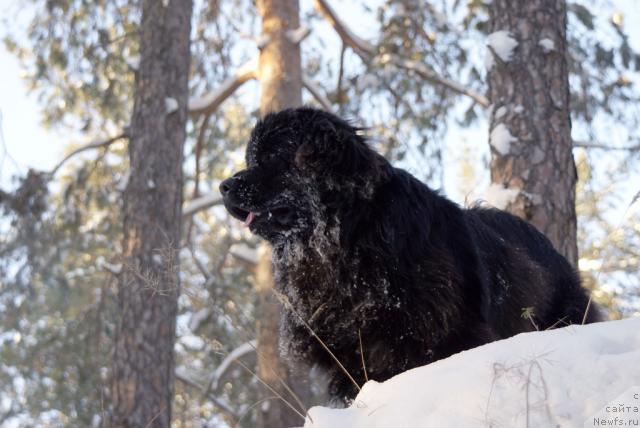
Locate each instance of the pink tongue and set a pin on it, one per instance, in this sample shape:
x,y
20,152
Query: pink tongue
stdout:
x,y
249,218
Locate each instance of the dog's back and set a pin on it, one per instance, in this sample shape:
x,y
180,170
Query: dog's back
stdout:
x,y
530,282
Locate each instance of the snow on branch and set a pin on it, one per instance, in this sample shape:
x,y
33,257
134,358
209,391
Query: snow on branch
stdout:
x,y
201,203
262,40
198,318
115,269
500,139
91,146
244,253
597,145
547,45
502,43
209,102
500,196
367,52
239,352
298,35
171,105
316,92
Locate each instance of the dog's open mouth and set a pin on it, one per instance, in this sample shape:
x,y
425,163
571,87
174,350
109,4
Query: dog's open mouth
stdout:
x,y
281,214
242,214
249,219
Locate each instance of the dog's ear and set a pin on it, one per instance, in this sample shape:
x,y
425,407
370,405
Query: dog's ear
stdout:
x,y
335,147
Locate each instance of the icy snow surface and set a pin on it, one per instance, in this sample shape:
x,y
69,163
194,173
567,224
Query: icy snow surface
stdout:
x,y
556,378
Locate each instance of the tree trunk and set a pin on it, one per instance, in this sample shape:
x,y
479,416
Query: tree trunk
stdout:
x,y
280,67
143,366
532,164
281,87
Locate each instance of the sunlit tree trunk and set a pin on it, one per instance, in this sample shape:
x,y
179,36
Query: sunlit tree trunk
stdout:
x,y
143,366
281,87
530,123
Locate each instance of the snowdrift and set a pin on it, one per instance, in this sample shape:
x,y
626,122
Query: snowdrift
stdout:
x,y
577,376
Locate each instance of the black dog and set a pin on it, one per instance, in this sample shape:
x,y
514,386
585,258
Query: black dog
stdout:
x,y
363,250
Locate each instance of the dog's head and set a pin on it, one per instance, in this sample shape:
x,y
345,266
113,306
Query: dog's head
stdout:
x,y
304,166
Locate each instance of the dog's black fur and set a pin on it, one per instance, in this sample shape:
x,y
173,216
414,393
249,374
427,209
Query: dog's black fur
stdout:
x,y
363,248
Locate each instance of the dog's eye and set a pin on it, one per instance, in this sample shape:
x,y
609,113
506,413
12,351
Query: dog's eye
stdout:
x,y
272,158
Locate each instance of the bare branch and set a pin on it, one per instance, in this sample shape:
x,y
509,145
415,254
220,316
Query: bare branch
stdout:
x,y
627,264
431,76
114,269
209,102
317,93
367,52
90,146
244,253
239,352
596,145
262,40
220,403
198,318
201,203
199,264
363,48
339,89
298,35
204,125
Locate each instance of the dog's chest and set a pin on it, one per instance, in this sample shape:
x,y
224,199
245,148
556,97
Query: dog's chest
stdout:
x,y
332,291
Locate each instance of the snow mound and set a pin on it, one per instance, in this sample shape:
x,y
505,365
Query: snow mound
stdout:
x,y
559,378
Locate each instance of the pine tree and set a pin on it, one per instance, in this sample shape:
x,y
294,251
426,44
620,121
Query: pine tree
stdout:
x,y
143,368
280,78
531,160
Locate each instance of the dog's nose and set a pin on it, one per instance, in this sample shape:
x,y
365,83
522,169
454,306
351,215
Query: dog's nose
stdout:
x,y
225,186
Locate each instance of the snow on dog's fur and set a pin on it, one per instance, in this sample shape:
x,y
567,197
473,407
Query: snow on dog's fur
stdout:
x,y
363,248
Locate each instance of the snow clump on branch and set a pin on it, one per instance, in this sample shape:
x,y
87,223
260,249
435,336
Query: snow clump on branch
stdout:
x,y
501,43
501,139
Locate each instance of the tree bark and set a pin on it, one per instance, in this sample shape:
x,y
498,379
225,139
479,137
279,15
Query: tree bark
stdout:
x,y
280,66
143,365
280,76
530,120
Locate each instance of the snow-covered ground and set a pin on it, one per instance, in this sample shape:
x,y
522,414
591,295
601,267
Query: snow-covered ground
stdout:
x,y
577,376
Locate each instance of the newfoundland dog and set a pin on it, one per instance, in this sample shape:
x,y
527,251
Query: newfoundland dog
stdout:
x,y
389,274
